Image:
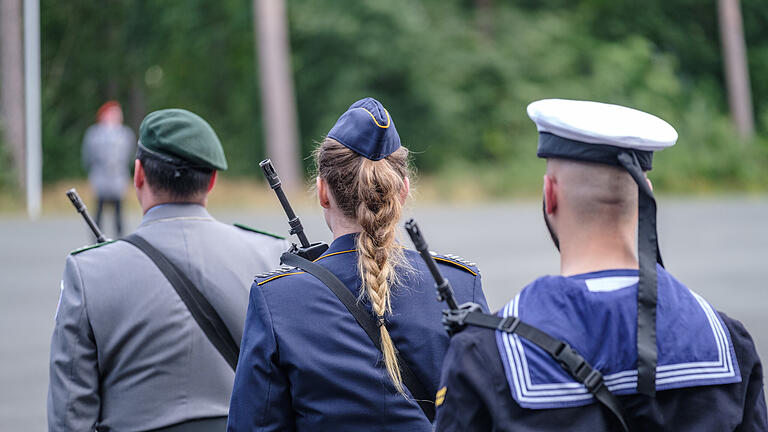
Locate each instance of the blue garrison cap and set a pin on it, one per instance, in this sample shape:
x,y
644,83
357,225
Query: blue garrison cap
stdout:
x,y
367,129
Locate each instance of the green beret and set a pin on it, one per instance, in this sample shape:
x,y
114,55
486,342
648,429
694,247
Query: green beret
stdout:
x,y
181,137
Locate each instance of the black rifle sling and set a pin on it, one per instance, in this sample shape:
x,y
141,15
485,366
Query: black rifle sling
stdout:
x,y
202,311
367,322
566,356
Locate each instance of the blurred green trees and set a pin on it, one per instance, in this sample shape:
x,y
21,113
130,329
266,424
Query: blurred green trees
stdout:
x,y
456,79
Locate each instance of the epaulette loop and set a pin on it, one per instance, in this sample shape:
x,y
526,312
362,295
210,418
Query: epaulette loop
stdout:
x,y
461,260
89,247
258,231
456,261
281,269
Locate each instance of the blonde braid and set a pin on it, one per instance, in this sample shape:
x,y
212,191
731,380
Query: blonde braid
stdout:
x,y
371,192
378,212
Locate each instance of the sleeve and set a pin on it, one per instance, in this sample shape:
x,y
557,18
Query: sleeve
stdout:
x,y
478,296
460,402
73,389
261,398
754,417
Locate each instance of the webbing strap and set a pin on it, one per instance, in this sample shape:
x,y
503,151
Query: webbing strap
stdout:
x,y
367,322
648,255
560,351
201,310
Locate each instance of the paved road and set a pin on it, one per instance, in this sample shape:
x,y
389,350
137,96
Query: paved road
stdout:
x,y
717,247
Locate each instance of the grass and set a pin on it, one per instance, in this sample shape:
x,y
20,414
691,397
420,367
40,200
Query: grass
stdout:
x,y
459,182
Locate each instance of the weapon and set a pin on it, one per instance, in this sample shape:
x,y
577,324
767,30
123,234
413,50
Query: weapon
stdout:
x,y
307,250
444,288
454,317
83,210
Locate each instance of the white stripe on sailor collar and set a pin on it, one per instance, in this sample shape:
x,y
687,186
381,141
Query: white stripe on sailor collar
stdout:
x,y
611,283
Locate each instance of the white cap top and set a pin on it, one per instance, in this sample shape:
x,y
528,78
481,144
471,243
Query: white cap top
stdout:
x,y
600,123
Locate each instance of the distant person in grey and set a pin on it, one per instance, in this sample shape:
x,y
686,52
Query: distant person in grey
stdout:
x,y
107,150
126,352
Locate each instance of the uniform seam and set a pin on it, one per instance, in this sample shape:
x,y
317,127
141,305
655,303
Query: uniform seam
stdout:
x,y
335,253
456,263
276,277
277,351
190,332
73,351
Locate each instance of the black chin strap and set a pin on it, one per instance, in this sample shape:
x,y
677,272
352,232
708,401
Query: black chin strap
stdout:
x,y
648,255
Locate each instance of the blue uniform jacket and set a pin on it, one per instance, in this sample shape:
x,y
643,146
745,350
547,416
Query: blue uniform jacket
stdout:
x,y
305,363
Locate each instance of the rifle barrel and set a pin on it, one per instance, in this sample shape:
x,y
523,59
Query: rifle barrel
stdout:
x,y
274,182
444,289
83,210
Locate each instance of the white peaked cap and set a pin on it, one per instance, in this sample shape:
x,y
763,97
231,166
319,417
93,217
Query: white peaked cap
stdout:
x,y
601,123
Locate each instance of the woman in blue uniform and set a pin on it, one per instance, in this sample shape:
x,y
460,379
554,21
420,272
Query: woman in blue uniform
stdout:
x,y
305,363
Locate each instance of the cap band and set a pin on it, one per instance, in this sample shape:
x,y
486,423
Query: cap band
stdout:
x,y
648,255
554,146
142,149
183,138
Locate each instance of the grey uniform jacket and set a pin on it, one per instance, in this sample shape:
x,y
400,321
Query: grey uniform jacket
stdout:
x,y
108,152
126,354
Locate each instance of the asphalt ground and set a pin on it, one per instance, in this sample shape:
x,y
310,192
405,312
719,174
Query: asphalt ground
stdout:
x,y
718,247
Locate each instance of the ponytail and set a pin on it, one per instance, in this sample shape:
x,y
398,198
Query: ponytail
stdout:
x,y
371,193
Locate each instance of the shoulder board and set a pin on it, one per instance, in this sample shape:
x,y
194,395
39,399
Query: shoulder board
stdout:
x,y
89,247
266,233
274,274
456,261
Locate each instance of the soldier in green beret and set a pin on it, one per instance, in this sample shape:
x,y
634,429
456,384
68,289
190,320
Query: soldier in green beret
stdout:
x,y
128,351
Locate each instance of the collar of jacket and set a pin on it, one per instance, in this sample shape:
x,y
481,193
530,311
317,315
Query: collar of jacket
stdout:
x,y
345,243
173,211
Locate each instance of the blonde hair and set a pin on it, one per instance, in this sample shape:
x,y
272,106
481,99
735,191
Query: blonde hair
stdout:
x,y
371,193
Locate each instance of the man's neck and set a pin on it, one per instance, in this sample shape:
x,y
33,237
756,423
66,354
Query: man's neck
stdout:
x,y
586,252
154,201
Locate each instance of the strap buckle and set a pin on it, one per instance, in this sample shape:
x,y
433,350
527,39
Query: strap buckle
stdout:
x,y
570,359
508,324
594,381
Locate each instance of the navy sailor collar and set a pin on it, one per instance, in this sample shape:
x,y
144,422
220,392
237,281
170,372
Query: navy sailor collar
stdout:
x,y
596,314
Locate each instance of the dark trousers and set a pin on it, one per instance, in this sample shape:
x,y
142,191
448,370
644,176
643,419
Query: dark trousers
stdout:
x,y
118,214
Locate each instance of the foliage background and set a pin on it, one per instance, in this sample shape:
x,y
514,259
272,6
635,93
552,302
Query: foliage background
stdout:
x,y
456,74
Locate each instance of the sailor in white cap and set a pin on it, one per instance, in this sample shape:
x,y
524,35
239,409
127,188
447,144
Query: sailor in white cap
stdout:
x,y
614,342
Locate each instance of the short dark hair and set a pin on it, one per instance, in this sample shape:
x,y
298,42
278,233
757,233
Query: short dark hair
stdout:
x,y
179,182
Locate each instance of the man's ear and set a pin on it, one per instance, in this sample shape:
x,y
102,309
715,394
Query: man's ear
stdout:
x,y
550,194
213,181
138,174
322,193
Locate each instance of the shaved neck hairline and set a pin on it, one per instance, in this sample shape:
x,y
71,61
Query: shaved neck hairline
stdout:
x,y
593,190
